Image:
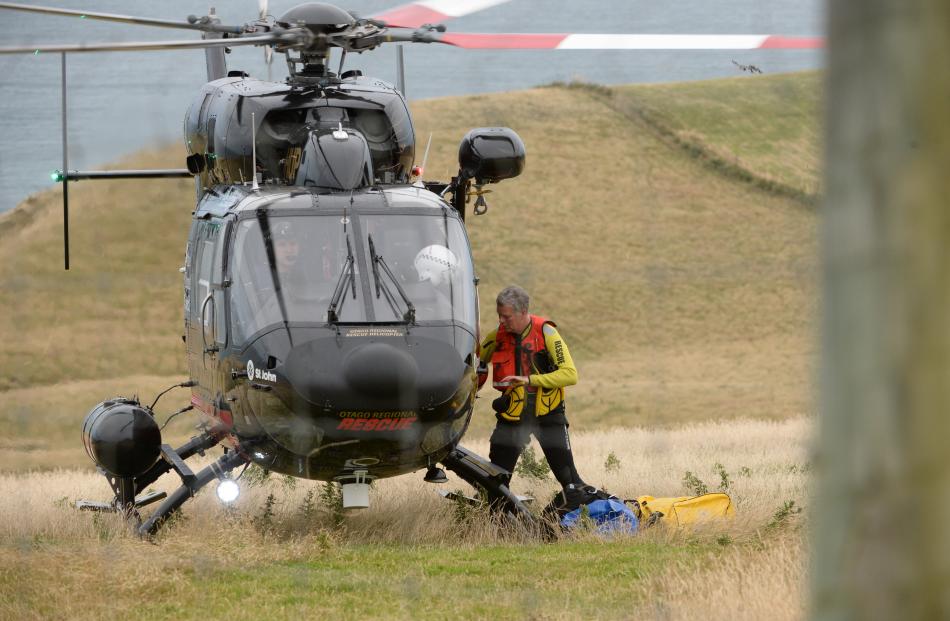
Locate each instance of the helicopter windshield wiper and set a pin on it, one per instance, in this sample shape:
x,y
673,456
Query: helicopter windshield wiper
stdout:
x,y
377,262
263,222
347,279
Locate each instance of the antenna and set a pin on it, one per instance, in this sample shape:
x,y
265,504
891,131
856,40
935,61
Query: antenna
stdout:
x,y
254,186
425,156
65,175
418,171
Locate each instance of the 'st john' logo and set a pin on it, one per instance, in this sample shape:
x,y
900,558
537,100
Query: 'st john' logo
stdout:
x,y
250,369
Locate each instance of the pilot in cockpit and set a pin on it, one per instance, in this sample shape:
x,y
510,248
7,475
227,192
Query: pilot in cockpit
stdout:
x,y
286,248
305,269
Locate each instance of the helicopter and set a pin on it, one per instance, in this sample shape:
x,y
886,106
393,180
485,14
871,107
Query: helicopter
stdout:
x,y
330,299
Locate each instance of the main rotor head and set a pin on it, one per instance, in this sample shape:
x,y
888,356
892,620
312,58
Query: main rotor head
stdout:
x,y
319,17
327,26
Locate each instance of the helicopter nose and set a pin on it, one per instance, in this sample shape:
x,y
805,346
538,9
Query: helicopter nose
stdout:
x,y
336,373
381,370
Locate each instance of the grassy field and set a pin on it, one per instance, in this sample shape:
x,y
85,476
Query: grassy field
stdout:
x,y
773,143
668,229
287,550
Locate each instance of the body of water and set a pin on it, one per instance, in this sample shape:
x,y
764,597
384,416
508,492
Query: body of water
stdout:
x,y
121,102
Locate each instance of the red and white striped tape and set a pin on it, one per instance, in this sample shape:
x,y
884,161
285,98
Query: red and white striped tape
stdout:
x,y
628,41
416,14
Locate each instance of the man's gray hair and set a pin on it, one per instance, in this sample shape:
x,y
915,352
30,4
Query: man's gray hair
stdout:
x,y
515,297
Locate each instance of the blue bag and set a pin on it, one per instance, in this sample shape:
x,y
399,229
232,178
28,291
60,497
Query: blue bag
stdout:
x,y
610,516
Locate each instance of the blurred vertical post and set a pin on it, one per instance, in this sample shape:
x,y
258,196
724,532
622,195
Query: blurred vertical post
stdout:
x,y
882,511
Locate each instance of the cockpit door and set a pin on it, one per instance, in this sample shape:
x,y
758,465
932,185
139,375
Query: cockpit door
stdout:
x,y
209,326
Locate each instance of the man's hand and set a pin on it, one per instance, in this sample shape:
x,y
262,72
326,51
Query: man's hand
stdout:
x,y
482,374
515,380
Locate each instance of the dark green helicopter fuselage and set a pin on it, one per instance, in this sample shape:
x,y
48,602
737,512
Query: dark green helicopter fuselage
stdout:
x,y
314,395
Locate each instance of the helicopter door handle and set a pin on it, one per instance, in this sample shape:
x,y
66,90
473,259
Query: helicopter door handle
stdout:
x,y
204,324
262,387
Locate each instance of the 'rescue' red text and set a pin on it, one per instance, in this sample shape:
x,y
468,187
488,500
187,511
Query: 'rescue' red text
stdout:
x,y
375,424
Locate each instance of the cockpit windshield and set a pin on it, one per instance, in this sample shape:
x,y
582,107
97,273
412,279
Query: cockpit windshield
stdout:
x,y
287,268
291,270
428,258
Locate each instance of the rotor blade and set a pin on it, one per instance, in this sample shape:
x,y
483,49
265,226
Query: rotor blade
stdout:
x,y
127,19
416,14
621,41
268,52
144,45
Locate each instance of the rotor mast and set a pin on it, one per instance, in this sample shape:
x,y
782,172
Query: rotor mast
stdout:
x,y
217,64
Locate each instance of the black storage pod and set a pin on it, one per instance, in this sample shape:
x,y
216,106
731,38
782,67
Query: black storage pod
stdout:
x,y
490,154
122,437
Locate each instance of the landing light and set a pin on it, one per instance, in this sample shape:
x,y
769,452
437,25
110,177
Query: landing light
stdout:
x,y
435,475
228,491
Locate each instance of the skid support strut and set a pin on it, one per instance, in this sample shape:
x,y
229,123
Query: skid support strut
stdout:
x,y
189,488
484,475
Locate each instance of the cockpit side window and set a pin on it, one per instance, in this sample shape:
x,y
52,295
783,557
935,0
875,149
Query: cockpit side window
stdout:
x,y
217,284
206,295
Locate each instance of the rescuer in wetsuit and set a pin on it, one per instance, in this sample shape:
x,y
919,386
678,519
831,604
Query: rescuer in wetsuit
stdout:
x,y
531,365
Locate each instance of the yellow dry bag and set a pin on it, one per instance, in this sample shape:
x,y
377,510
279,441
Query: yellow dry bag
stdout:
x,y
684,510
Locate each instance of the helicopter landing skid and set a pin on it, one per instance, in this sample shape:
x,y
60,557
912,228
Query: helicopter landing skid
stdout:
x,y
113,507
470,500
493,480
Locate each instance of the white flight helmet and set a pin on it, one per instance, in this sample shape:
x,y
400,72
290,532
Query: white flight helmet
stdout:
x,y
435,264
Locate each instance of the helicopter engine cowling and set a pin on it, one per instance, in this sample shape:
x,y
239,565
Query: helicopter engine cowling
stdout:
x,y
122,437
234,117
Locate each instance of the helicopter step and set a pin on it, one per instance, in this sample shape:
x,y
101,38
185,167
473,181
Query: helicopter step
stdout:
x,y
173,459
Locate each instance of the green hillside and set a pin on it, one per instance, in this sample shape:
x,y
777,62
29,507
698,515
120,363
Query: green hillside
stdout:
x,y
668,229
